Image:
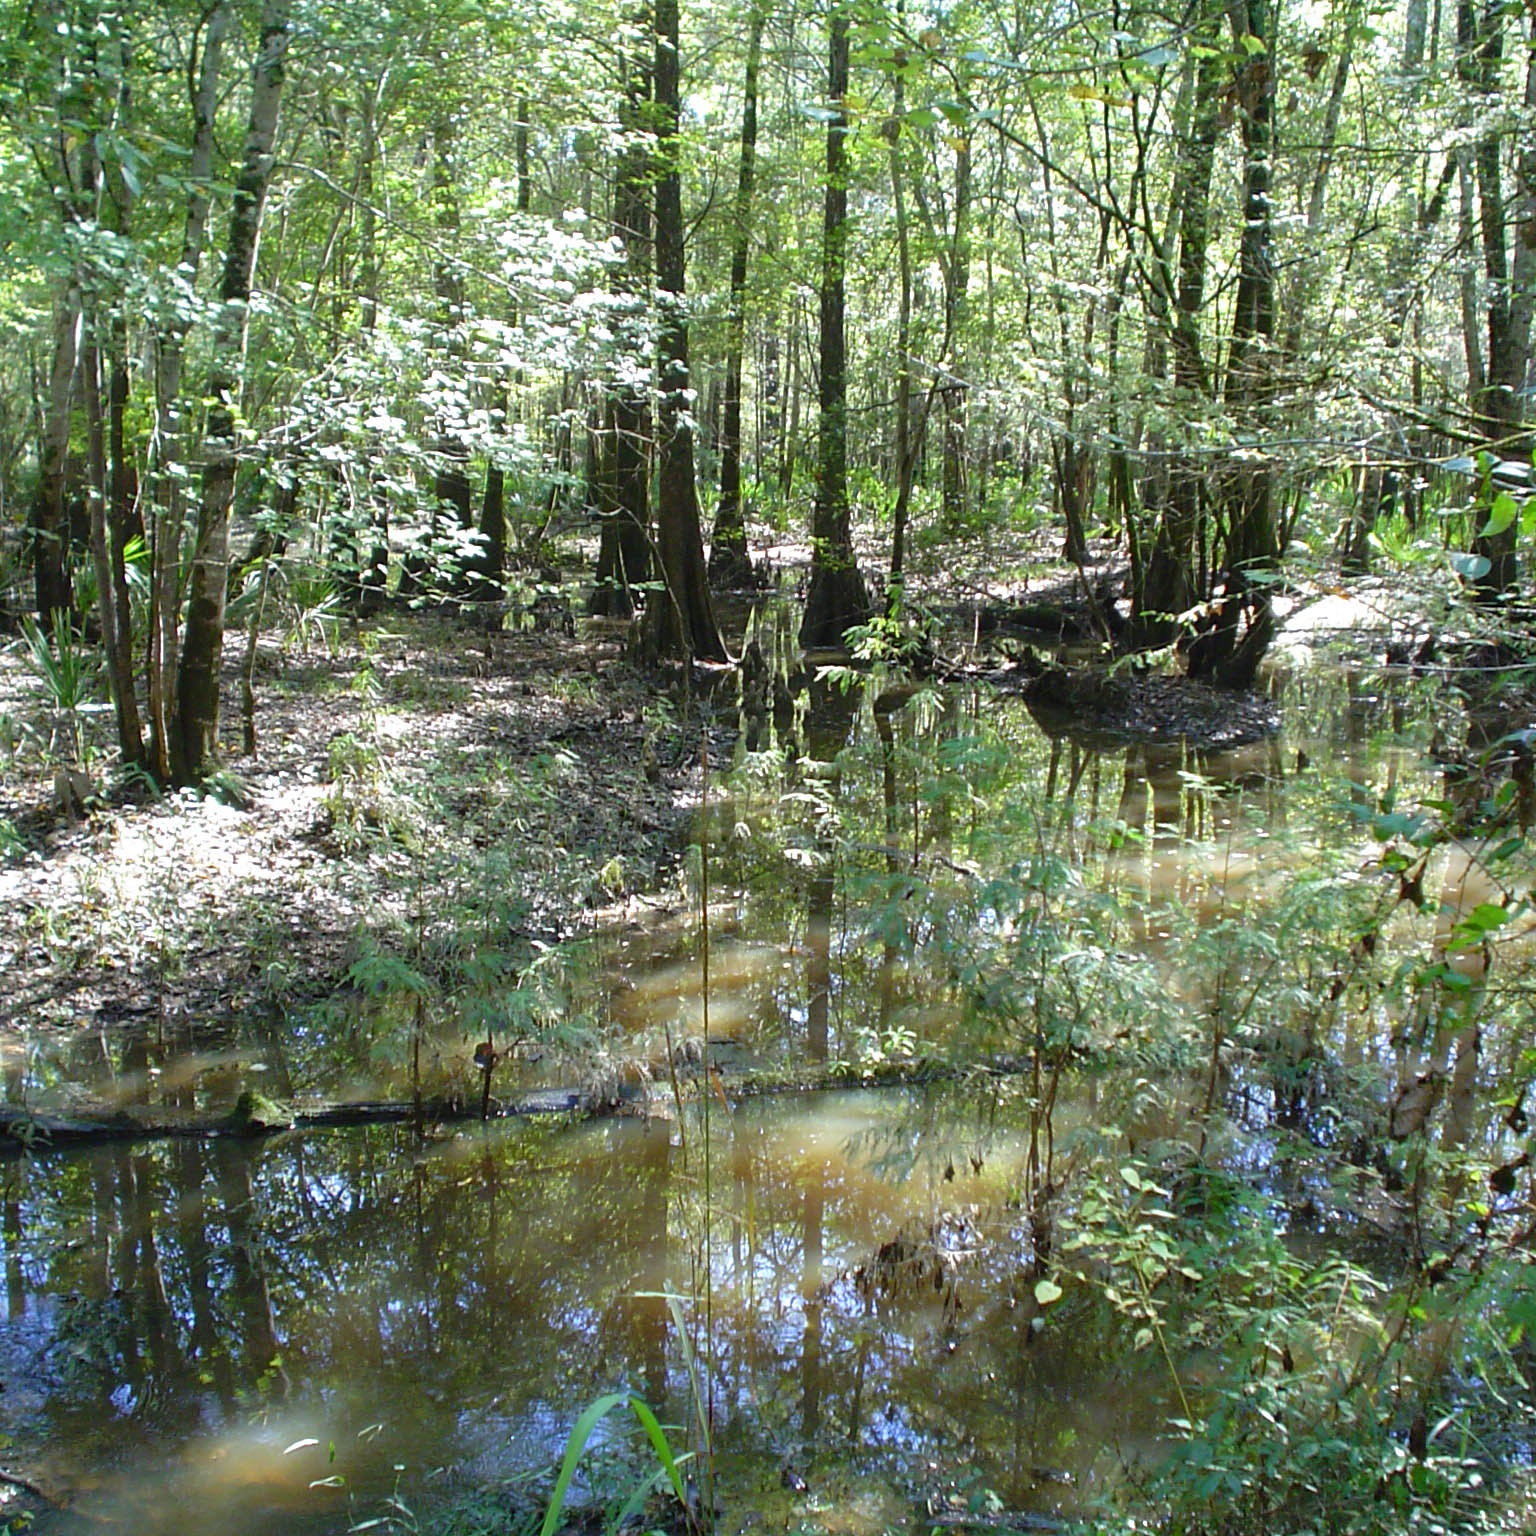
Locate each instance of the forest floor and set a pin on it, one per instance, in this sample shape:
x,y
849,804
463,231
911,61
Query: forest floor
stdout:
x,y
385,758
407,770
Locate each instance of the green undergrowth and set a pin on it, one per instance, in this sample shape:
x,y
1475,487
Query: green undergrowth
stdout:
x,y
1265,1023
1298,1003
1266,1033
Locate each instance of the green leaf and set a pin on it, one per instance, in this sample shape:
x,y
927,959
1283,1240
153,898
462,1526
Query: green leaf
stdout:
x,y
1398,824
1501,515
1130,1175
1484,918
1047,1291
581,1433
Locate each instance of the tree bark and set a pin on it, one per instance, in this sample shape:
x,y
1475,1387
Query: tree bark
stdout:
x,y
197,725
72,174
680,621
372,534
168,465
837,598
624,552
116,642
905,444
1229,648
1510,278
491,563
451,489
730,563
955,387
789,437
50,523
1170,583
112,510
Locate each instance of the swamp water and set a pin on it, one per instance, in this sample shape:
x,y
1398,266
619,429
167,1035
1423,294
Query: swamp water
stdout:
x,y
263,1334
329,1328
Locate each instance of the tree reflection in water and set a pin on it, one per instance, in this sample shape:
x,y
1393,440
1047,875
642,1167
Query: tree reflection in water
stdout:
x,y
449,1307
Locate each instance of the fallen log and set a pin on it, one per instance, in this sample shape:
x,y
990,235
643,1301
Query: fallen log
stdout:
x,y
25,1130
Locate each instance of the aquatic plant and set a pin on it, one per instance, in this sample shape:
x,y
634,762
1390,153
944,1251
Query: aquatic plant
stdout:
x,y
668,1467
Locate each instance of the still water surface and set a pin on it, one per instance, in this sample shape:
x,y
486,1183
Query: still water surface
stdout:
x,y
280,1335
287,1335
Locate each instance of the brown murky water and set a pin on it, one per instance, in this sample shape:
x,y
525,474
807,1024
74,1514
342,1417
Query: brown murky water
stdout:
x,y
280,1336
326,1329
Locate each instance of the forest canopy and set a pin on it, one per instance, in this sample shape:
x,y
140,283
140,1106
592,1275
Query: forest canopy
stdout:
x,y
837,354
408,290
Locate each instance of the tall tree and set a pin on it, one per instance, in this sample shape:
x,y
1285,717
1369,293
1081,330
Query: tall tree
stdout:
x,y
195,744
1170,578
106,359
837,598
490,561
1498,399
71,90
624,552
451,489
167,463
906,442
1232,642
955,387
680,622
730,563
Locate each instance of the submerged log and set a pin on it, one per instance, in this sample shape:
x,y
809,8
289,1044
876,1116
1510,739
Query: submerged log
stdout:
x,y
24,1130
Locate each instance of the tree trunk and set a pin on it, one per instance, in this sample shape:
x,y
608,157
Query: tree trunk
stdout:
x,y
372,534
624,554
168,467
730,563
1072,459
770,401
1510,280
789,443
50,523
837,598
905,447
680,622
113,478
1241,625
126,519
116,631
491,564
451,491
955,388
197,725
1471,331
1170,584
